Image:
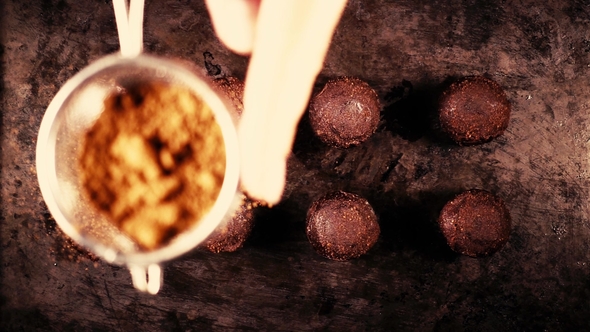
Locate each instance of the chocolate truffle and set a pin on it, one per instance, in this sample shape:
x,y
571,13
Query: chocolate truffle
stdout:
x,y
342,226
475,223
474,110
346,112
231,235
233,89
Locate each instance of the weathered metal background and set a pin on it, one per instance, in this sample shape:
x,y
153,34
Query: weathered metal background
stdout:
x,y
538,50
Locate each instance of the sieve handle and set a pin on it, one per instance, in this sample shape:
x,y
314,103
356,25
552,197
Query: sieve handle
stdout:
x,y
146,279
129,21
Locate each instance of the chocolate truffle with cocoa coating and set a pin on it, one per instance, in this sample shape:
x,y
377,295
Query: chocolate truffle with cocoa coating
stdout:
x,y
475,223
474,110
346,112
231,235
342,226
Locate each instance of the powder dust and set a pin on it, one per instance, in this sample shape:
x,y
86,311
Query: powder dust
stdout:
x,y
153,162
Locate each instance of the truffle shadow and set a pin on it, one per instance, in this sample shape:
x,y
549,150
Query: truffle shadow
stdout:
x,y
411,111
408,111
307,147
412,225
277,225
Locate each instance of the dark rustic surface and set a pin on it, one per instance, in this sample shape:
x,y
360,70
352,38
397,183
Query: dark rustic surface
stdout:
x,y
537,50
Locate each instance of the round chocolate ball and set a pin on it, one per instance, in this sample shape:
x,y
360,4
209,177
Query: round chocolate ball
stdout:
x,y
474,110
342,226
475,223
346,112
231,235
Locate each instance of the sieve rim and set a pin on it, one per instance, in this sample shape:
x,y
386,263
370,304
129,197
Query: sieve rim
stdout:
x,y
184,242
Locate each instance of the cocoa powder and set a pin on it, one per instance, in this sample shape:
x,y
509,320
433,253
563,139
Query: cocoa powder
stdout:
x,y
153,162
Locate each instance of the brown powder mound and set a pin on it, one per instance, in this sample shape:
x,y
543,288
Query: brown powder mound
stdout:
x,y
346,112
231,235
233,89
474,110
153,162
342,226
475,223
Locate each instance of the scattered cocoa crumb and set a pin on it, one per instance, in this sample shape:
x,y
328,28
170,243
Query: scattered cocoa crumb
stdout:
x,y
64,249
233,89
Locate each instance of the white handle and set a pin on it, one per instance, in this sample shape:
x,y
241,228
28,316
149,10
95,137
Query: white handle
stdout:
x,y
146,280
129,26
